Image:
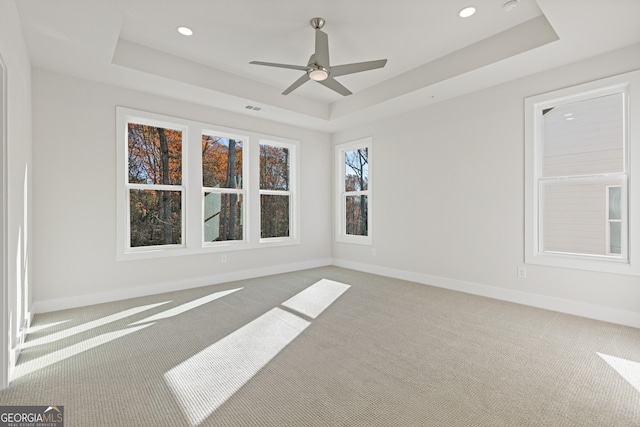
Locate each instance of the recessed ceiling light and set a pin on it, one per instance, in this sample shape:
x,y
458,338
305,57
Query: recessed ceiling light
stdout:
x,y
467,12
185,31
509,5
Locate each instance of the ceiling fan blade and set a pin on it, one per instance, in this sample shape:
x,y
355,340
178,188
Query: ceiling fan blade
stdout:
x,y
296,84
341,70
333,84
322,49
273,64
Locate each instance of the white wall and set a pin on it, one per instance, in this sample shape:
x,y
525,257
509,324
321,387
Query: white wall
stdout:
x,y
449,200
15,298
75,199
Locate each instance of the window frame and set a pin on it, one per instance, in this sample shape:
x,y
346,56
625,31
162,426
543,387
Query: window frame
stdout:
x,y
165,124
246,154
629,261
193,188
342,193
293,202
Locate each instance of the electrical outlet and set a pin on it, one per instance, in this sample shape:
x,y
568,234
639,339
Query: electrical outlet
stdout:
x,y
373,252
522,272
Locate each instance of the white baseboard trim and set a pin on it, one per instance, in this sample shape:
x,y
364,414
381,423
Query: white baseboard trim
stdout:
x,y
46,306
591,311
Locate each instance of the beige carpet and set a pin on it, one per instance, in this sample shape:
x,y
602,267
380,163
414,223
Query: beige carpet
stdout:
x,y
384,352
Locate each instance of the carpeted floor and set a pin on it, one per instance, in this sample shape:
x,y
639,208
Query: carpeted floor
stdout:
x,y
377,352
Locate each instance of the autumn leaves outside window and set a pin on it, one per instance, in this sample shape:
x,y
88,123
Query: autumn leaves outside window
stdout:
x,y
155,185
222,161
275,191
161,199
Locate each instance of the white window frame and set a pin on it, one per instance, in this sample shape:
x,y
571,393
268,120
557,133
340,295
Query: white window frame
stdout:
x,y
629,262
246,155
342,194
291,193
166,124
193,190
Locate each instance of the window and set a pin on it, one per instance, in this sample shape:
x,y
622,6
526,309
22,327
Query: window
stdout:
x,y
222,187
276,191
579,200
154,184
186,187
354,191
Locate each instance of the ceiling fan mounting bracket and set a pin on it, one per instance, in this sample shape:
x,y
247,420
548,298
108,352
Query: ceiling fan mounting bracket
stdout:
x,y
317,23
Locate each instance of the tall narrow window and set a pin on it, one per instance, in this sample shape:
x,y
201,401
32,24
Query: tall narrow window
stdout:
x,y
154,185
578,170
275,190
354,181
223,188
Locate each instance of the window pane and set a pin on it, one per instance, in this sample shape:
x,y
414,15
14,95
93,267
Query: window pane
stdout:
x,y
221,162
615,209
155,217
356,170
356,215
222,217
274,168
615,237
155,155
274,216
584,138
574,216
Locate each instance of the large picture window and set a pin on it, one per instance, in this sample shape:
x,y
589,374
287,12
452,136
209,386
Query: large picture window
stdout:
x,y
353,161
186,187
578,194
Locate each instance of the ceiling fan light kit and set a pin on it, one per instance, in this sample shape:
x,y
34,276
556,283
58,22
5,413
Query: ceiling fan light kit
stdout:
x,y
318,74
319,69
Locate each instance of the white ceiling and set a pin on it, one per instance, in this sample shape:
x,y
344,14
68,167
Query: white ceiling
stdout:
x,y
432,53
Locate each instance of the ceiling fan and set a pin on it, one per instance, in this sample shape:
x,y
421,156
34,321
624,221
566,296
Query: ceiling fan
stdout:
x,y
319,68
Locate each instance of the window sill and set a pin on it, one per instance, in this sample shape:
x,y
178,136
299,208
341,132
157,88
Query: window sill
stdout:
x,y
207,248
591,263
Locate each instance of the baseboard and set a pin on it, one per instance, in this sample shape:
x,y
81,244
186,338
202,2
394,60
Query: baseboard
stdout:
x,y
178,285
591,311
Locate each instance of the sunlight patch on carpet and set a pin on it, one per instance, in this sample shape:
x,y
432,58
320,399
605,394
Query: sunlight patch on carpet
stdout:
x,y
73,350
33,329
205,381
186,307
90,325
628,369
313,300
202,383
